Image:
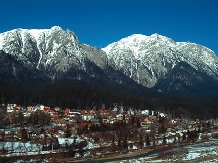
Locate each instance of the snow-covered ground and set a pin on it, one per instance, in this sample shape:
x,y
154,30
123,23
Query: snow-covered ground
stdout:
x,y
200,152
23,148
27,148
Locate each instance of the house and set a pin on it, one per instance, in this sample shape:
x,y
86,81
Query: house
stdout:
x,y
53,133
10,110
102,111
51,112
66,111
9,136
111,120
18,107
145,121
29,108
87,117
10,106
32,134
145,112
57,109
46,109
95,122
127,119
83,126
60,122
152,117
119,117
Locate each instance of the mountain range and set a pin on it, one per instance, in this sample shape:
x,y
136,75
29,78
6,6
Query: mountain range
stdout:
x,y
34,58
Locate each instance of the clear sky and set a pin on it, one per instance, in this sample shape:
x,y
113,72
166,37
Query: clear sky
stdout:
x,y
100,22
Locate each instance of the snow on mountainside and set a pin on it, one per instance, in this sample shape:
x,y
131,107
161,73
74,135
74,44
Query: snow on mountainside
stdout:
x,y
52,50
146,59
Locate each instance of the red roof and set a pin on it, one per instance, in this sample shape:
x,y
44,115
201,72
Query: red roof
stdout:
x,y
52,131
18,107
127,117
46,109
82,125
57,133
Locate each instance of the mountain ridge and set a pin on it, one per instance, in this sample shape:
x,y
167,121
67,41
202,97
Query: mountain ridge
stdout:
x,y
159,57
146,60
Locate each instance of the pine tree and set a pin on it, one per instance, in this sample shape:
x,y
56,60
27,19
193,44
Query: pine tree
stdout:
x,y
141,143
24,136
138,123
184,136
148,141
113,140
125,144
164,140
66,146
74,140
67,133
119,142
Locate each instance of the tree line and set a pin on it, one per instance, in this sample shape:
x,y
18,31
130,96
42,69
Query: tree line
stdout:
x,y
82,96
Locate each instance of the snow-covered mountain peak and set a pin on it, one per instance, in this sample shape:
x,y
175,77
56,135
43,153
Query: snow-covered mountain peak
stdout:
x,y
135,41
37,32
162,38
53,51
134,37
148,58
145,59
43,48
144,38
56,28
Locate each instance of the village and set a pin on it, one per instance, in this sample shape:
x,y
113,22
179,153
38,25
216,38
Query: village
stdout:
x,y
95,133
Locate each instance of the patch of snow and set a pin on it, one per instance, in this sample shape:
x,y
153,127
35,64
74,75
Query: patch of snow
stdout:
x,y
37,32
134,147
69,141
192,156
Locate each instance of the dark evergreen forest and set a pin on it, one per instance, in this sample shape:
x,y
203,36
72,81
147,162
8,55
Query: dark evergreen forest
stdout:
x,y
81,95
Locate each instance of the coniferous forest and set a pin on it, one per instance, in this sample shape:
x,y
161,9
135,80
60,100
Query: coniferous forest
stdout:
x,y
81,95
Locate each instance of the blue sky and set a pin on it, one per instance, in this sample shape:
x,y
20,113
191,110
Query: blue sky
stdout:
x,y
100,22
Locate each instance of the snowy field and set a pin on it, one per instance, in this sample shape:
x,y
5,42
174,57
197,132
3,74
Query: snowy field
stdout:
x,y
26,148
199,152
